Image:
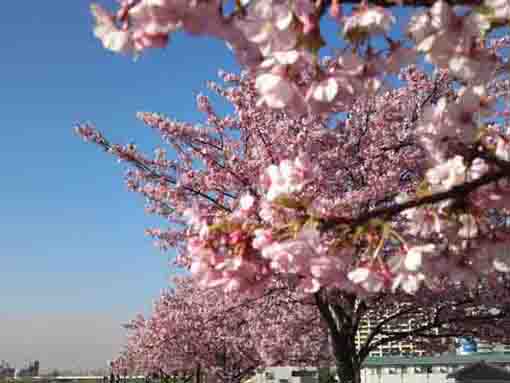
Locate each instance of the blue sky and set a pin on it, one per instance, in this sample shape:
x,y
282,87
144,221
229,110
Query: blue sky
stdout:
x,y
72,238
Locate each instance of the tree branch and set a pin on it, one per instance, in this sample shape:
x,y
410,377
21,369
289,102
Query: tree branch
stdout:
x,y
457,191
157,176
365,348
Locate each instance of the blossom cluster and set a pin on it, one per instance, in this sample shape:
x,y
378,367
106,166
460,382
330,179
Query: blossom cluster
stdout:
x,y
229,336
279,40
330,171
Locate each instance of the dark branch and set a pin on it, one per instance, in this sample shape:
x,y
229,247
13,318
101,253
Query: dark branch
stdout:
x,y
458,191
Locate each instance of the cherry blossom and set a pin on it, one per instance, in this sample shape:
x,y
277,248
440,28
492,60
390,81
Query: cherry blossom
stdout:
x,y
371,183
414,256
445,176
268,24
112,37
287,178
450,41
368,20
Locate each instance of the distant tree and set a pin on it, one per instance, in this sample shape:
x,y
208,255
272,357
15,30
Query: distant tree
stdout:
x,y
54,373
193,331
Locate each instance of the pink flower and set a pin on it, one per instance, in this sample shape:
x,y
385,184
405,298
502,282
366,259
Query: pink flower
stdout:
x,y
368,20
305,11
275,90
287,178
310,285
409,282
267,24
474,99
474,65
369,279
455,120
469,227
414,257
106,30
295,256
326,90
266,212
193,216
500,10
329,270
274,84
477,169
151,24
502,150
450,41
420,26
424,221
444,176
246,204
263,238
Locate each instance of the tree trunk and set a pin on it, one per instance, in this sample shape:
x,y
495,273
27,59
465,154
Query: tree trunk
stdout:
x,y
348,366
348,372
198,375
342,326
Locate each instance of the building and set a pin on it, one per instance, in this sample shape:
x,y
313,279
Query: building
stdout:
x,y
393,369
436,369
6,371
393,348
408,348
31,370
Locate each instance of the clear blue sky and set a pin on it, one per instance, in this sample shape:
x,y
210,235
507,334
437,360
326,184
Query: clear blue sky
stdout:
x,y
71,237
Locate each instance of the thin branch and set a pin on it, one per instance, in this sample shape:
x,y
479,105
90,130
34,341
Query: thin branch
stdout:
x,y
365,349
457,191
406,3
158,176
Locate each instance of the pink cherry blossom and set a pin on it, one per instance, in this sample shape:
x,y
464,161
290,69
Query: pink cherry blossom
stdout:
x,y
502,148
445,176
414,257
449,41
500,9
368,278
112,37
370,20
288,178
275,90
268,25
469,228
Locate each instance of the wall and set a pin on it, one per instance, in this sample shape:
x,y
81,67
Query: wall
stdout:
x,y
372,375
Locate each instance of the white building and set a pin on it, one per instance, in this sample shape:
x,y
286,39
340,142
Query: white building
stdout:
x,y
397,369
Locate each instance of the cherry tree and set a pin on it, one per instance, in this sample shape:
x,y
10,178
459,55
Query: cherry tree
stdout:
x,y
367,180
194,330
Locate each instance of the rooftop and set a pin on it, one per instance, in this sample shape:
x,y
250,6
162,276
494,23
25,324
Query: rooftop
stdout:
x,y
440,360
480,371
